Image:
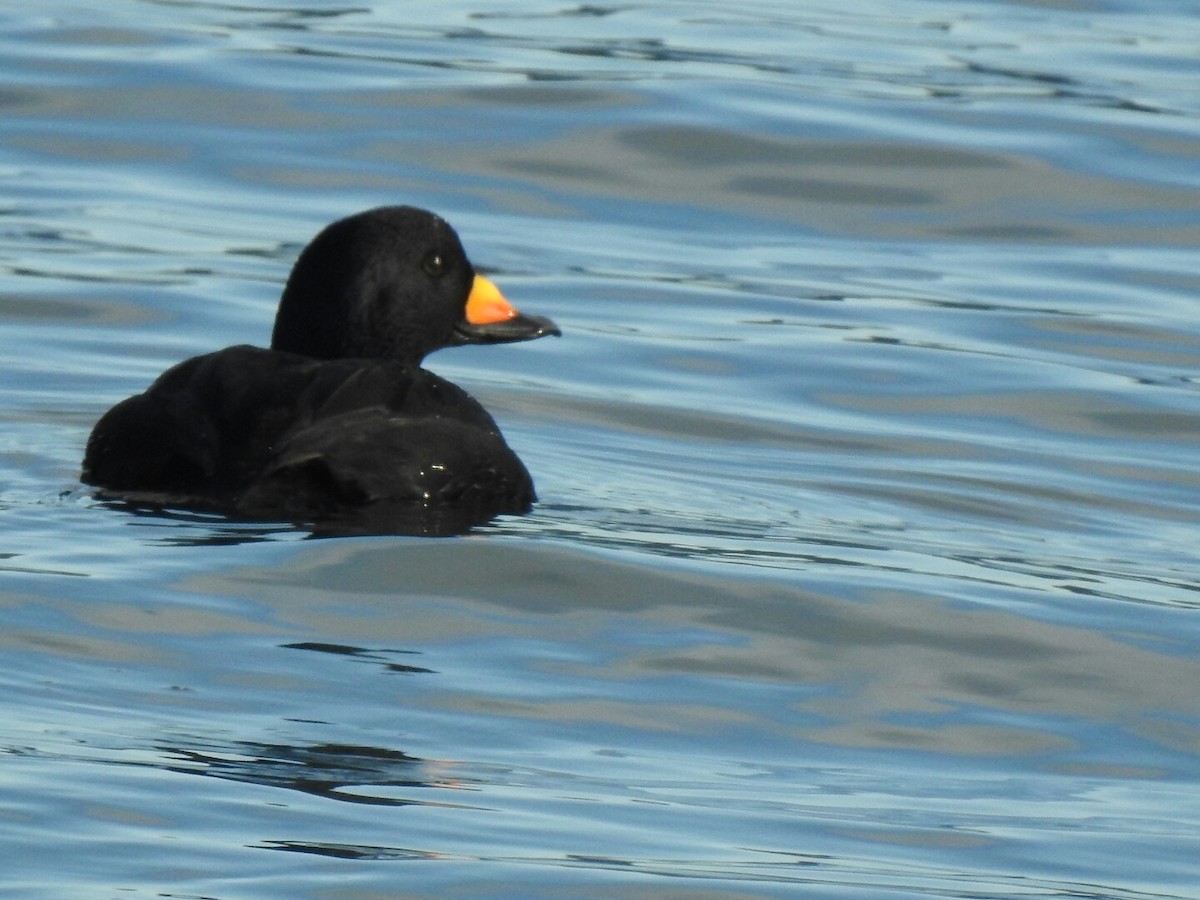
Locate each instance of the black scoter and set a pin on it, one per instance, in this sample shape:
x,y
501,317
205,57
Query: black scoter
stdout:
x,y
337,423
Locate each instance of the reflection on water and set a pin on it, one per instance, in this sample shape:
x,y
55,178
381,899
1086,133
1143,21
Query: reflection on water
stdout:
x,y
361,653
331,771
892,653
376,518
904,190
865,562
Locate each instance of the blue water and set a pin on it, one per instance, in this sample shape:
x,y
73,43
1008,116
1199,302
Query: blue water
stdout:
x,y
866,558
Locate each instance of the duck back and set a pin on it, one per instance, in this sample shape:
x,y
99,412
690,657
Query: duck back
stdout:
x,y
265,434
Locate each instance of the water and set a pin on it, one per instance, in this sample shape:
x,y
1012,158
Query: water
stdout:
x,y
866,558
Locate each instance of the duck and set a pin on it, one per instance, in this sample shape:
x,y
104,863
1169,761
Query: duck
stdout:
x,y
336,422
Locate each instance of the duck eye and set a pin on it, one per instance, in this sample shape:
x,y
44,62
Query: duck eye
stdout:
x,y
433,264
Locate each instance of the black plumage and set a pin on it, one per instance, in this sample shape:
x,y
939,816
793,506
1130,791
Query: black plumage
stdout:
x,y
336,423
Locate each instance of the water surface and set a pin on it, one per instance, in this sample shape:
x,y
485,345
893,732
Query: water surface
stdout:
x,y
865,560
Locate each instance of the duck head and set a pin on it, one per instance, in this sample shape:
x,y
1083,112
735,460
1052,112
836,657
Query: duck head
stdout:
x,y
395,283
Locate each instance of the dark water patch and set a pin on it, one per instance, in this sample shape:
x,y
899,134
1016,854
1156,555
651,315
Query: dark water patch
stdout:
x,y
351,774
363,654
